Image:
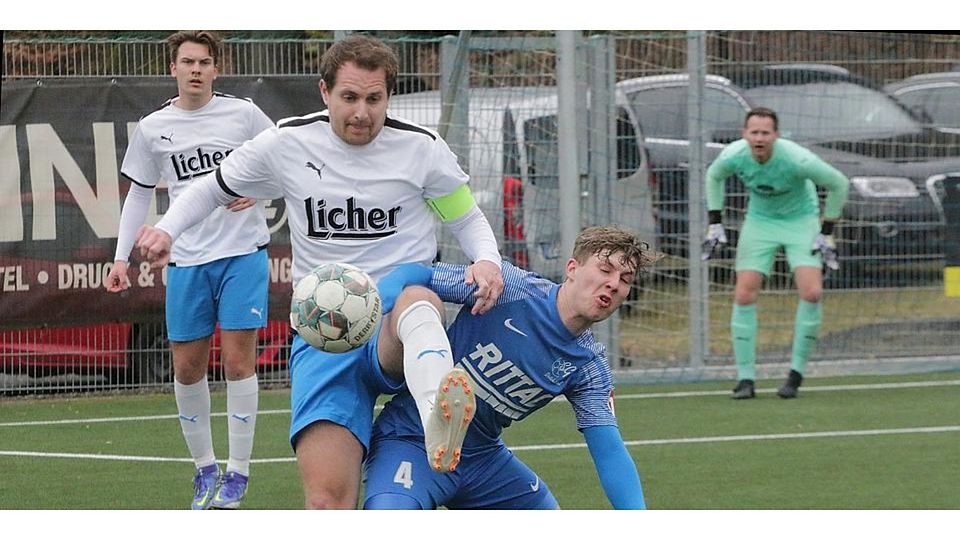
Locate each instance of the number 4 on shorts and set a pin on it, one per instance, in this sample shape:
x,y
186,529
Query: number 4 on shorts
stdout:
x,y
404,475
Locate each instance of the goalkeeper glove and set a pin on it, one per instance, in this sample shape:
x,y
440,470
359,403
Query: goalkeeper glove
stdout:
x,y
716,236
827,249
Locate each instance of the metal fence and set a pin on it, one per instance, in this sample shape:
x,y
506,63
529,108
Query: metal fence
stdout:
x,y
638,166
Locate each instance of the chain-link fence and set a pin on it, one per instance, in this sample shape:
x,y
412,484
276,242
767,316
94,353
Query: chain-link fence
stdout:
x,y
634,168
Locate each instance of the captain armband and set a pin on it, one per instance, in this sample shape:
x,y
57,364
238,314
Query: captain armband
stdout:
x,y
453,205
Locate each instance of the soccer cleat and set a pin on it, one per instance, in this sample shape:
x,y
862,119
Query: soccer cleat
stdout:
x,y
448,423
205,486
791,386
744,390
231,492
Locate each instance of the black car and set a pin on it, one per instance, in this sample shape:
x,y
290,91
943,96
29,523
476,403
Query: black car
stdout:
x,y
936,96
892,227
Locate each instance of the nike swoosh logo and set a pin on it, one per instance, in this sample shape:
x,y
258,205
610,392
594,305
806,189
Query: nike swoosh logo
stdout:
x,y
440,352
203,501
513,328
534,486
189,418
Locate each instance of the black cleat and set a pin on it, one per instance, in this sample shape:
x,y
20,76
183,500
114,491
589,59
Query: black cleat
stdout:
x,y
744,390
791,386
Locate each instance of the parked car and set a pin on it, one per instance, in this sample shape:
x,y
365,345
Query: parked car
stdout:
x,y
935,95
513,166
892,223
126,353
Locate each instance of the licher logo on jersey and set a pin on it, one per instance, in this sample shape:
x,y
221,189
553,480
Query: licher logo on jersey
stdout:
x,y
352,221
502,384
319,170
190,166
560,370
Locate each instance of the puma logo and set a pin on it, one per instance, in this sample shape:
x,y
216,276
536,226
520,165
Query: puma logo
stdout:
x,y
168,138
314,167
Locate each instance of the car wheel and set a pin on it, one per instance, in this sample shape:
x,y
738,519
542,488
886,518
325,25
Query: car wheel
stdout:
x,y
150,360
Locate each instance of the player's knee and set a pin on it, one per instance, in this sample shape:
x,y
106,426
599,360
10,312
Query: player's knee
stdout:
x,y
414,294
811,294
328,500
391,501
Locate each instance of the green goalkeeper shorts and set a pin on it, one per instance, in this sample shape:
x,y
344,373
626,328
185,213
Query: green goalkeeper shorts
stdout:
x,y
761,238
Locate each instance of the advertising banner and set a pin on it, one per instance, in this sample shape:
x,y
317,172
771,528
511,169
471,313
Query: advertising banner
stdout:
x,y
61,146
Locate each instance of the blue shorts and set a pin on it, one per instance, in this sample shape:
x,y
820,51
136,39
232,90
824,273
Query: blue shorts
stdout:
x,y
341,388
232,291
490,478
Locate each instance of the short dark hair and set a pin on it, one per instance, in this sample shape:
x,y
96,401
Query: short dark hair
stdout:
x,y
604,241
211,39
364,51
762,112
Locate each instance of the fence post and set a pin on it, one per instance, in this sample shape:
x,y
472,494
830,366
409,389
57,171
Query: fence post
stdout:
x,y
569,192
698,288
602,172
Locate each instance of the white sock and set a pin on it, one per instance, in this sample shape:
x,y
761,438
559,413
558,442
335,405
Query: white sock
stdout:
x,y
241,420
193,405
426,353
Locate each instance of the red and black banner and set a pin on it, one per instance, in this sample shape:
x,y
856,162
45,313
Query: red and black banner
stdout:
x,y
61,145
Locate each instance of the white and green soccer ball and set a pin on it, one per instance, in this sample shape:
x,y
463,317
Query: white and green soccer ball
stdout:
x,y
336,307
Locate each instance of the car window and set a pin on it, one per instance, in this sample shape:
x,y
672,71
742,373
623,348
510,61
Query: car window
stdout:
x,y
842,110
628,151
540,140
942,104
543,162
663,111
511,154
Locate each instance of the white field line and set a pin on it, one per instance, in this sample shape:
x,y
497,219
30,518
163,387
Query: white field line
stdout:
x,y
542,447
825,388
651,442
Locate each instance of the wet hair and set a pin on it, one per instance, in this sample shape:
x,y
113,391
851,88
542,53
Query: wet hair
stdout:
x,y
364,51
211,39
762,112
604,241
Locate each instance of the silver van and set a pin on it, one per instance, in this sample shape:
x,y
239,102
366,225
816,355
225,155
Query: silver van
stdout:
x,y
511,155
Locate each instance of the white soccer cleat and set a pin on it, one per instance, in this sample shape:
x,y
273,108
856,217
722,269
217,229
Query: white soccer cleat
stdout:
x,y
449,421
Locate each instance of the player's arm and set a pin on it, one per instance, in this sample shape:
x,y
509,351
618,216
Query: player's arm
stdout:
x,y
141,170
134,213
246,169
460,213
191,207
716,178
616,469
828,177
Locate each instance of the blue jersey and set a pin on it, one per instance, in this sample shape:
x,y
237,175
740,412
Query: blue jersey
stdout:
x,y
519,354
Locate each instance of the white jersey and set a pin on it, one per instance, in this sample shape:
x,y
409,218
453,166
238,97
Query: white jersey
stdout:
x,y
178,145
362,205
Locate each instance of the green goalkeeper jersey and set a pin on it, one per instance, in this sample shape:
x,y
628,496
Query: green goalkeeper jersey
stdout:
x,y
784,186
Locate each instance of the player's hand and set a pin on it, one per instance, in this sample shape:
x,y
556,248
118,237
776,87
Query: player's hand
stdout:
x,y
825,246
154,245
240,204
716,237
117,279
486,275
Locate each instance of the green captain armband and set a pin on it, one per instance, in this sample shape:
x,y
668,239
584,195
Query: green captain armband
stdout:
x,y
454,205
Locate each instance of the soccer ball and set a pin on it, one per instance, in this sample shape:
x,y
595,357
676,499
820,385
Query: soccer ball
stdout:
x,y
335,308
